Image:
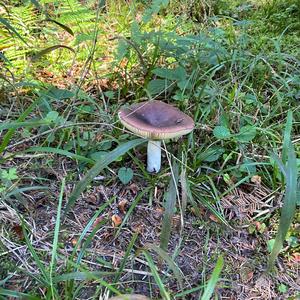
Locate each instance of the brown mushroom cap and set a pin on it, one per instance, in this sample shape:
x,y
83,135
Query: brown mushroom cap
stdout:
x,y
156,120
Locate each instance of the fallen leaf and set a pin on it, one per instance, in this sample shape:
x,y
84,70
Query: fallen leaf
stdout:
x,y
137,228
122,206
92,199
176,222
214,218
133,188
296,257
98,220
18,231
74,241
117,220
256,179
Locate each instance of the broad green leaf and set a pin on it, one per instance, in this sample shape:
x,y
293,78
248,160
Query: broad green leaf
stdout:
x,y
51,116
211,154
98,167
158,86
98,155
247,133
248,166
178,73
154,8
125,175
11,174
270,245
221,132
58,94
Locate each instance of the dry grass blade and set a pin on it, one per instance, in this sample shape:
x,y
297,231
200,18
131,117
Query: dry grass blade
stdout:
x,y
170,202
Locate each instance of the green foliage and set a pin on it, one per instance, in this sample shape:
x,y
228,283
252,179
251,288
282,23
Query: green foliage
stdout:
x,y
98,167
125,175
209,289
289,169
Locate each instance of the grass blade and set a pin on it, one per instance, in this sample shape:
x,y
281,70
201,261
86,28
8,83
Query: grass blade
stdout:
x,y
12,30
16,125
82,275
11,130
124,260
98,167
43,52
15,294
167,258
163,292
209,289
55,238
169,210
45,276
61,152
89,238
63,26
287,136
289,205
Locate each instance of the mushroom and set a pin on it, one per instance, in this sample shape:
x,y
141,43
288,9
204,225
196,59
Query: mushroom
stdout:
x,y
156,121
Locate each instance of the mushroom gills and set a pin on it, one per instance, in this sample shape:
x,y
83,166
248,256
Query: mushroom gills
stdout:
x,y
154,156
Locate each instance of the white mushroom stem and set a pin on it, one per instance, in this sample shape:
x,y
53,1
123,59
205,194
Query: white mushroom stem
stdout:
x,y
153,156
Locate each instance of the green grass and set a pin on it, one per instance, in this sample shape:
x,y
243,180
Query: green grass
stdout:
x,y
67,67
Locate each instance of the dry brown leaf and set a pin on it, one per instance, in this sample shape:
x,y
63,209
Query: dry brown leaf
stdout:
x,y
98,220
296,258
92,199
256,179
74,241
122,206
214,218
137,228
18,231
117,220
133,188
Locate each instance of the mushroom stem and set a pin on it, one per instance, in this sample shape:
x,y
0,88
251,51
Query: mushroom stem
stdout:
x,y
153,156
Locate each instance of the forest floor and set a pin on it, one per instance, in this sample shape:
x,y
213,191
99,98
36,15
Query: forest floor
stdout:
x,y
58,119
